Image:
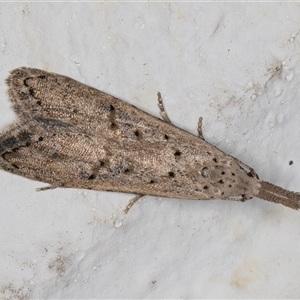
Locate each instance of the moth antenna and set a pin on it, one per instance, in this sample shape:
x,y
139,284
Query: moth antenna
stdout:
x,y
276,194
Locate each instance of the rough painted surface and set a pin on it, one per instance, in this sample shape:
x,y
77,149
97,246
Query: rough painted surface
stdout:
x,y
237,65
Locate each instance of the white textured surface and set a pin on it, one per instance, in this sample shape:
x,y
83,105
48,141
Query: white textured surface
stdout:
x,y
237,65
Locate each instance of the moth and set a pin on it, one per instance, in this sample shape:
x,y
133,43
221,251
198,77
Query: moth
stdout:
x,y
71,135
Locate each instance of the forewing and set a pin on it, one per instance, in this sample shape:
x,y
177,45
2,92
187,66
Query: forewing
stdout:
x,y
83,138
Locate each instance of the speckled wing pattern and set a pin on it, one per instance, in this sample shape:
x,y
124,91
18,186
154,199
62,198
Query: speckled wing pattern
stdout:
x,y
72,135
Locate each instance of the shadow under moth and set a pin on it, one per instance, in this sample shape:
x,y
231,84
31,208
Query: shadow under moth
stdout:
x,y
71,135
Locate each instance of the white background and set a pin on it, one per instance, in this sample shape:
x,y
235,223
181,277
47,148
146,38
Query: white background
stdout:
x,y
234,64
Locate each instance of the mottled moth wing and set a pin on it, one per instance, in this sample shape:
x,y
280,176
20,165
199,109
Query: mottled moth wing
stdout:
x,y
83,138
18,136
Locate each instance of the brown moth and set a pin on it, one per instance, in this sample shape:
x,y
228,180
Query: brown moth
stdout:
x,y
73,136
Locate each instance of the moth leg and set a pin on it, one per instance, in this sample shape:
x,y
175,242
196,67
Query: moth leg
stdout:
x,y
199,128
162,109
131,202
166,118
45,188
250,171
241,198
